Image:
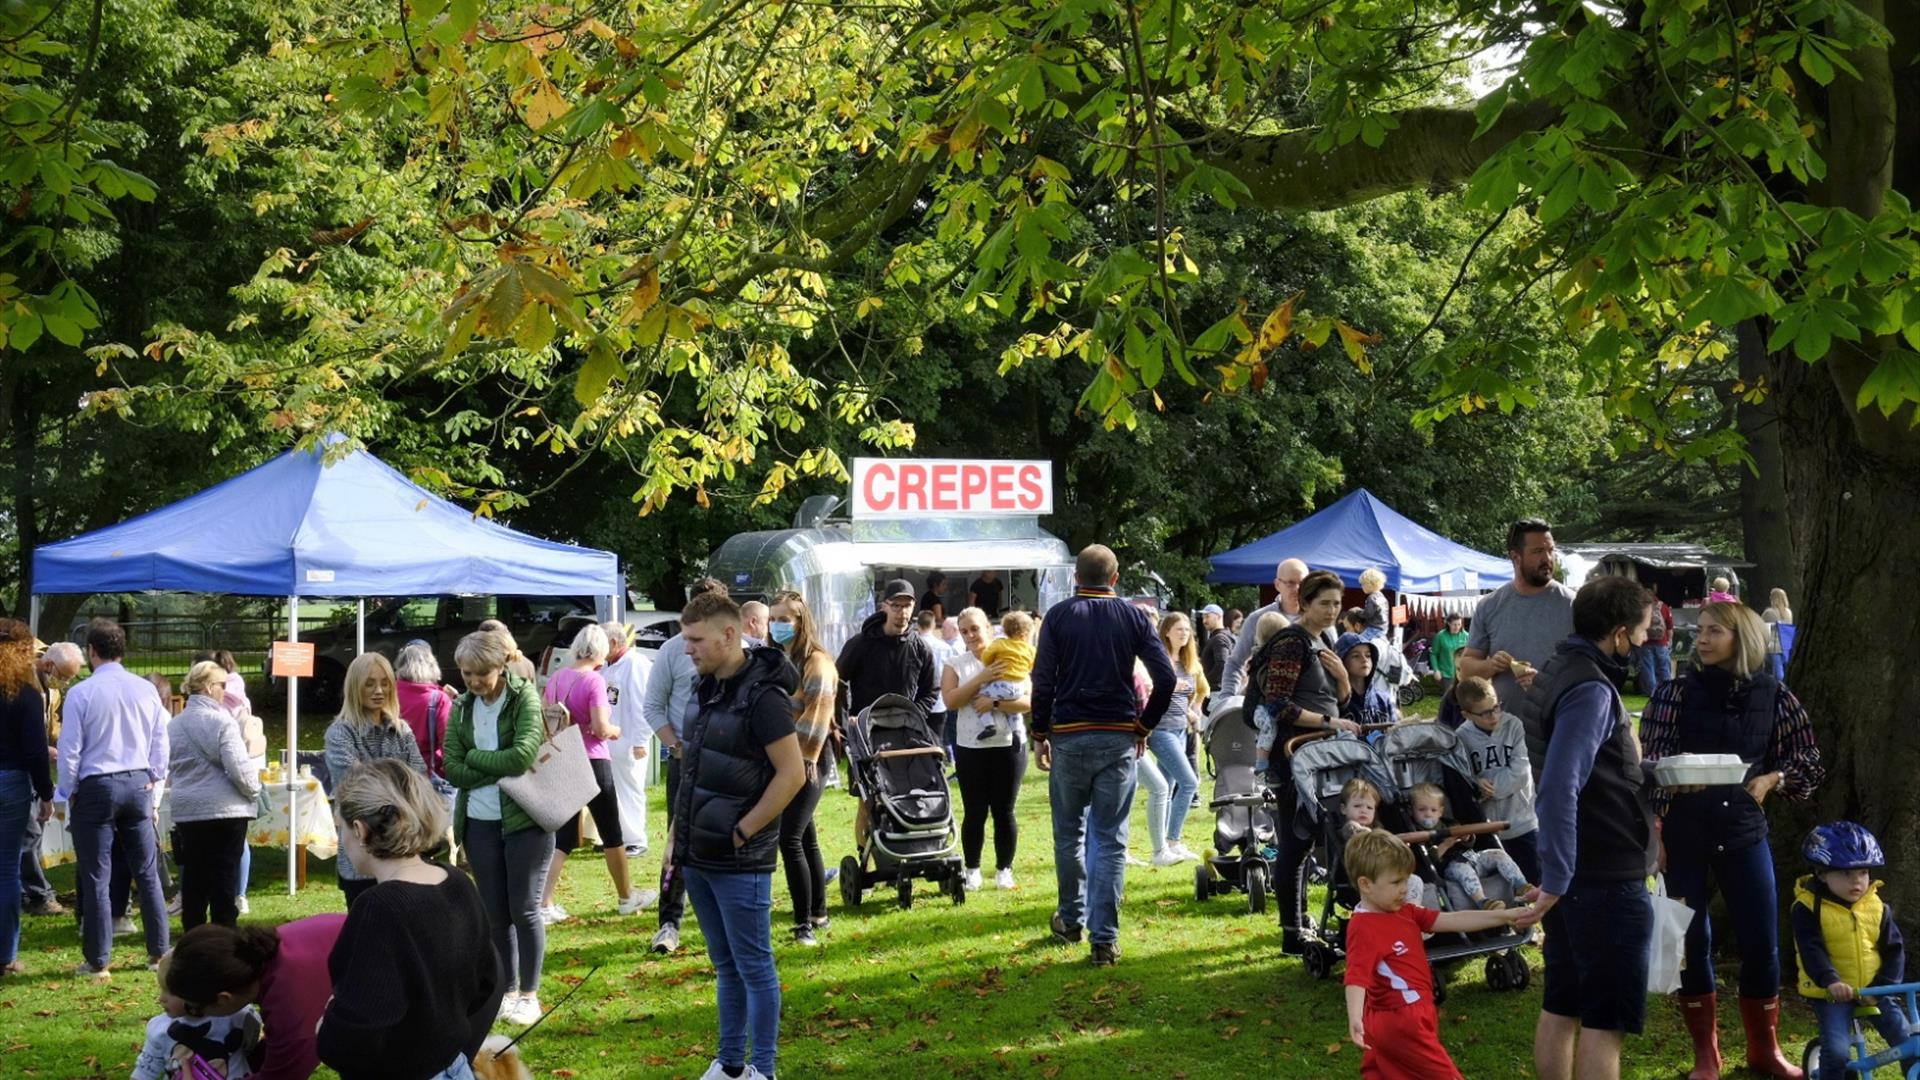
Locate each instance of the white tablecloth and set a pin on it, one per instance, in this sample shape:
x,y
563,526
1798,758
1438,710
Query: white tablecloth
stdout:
x,y
314,830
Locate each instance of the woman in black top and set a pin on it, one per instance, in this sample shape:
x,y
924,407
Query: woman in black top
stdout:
x,y
416,981
935,598
24,775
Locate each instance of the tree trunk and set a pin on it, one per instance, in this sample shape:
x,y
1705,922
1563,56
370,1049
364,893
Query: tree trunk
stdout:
x,y
1768,539
26,515
1854,661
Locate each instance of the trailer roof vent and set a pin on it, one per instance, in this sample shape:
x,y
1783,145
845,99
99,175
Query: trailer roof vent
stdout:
x,y
815,510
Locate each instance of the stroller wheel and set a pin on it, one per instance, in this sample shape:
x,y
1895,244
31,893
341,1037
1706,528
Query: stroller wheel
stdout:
x,y
1318,959
850,881
1439,986
1412,692
959,889
1256,889
1316,874
906,893
1518,973
1497,973
1202,883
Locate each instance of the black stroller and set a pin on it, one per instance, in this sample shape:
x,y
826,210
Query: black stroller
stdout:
x,y
1321,766
1243,825
899,764
1423,753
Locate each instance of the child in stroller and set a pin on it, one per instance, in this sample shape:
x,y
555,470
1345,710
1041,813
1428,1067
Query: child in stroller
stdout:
x,y
1460,864
905,804
1244,834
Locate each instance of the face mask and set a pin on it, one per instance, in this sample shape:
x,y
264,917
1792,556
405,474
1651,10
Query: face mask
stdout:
x,y
782,632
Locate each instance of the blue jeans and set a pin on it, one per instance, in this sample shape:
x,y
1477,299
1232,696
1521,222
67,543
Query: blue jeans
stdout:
x,y
1170,750
734,910
1745,877
1655,664
1836,1033
16,806
108,813
1091,789
246,868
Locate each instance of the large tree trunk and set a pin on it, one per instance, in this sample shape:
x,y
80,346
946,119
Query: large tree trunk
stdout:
x,y
1854,664
1767,536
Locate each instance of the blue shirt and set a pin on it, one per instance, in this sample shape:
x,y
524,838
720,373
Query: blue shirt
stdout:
x,y
1583,722
669,687
111,722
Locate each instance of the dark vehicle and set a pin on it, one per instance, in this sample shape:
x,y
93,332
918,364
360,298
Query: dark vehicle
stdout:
x,y
440,621
653,629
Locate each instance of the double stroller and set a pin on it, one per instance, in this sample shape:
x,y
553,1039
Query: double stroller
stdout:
x,y
1244,830
899,767
1410,754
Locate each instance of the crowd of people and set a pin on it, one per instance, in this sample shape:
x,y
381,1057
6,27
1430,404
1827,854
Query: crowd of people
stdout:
x,y
1103,694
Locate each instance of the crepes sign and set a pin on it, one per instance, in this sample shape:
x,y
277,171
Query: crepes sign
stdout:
x,y
950,487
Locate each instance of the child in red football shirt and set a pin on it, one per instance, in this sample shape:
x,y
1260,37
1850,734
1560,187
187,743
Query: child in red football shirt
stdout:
x,y
1389,986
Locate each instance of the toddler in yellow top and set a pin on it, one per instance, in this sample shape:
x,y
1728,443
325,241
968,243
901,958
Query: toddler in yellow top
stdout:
x,y
1015,652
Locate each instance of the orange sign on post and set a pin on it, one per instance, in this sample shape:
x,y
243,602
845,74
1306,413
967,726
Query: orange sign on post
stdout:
x,y
1400,615
293,658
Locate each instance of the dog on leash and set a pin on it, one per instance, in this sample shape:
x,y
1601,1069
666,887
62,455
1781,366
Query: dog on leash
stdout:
x,y
500,1060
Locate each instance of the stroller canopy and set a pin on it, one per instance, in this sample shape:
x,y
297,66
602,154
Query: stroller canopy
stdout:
x,y
1321,766
900,716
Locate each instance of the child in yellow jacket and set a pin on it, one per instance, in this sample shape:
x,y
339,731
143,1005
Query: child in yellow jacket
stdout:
x,y
1846,939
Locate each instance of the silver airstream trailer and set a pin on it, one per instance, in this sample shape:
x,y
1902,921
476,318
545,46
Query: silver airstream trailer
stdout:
x,y
837,565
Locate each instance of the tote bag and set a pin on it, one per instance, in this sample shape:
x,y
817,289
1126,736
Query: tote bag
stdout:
x,y
558,783
1668,950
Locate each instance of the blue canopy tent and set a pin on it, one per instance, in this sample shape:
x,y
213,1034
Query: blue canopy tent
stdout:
x,y
1359,532
327,522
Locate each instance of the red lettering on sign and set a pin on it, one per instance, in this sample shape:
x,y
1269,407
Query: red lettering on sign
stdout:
x,y
1031,497
913,487
973,484
1002,487
945,479
879,499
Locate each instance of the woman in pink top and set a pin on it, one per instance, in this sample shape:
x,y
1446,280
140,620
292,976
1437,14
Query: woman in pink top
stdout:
x,y
219,970
425,704
583,690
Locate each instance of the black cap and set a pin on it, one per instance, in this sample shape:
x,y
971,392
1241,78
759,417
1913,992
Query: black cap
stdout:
x,y
896,588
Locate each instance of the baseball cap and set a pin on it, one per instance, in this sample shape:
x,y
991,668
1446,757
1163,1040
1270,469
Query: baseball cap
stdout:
x,y
896,588
1212,609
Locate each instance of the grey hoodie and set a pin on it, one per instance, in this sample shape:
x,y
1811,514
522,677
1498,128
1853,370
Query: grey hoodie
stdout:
x,y
1500,756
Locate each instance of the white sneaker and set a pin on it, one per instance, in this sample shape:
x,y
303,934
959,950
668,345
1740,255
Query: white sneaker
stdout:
x,y
528,1010
1186,853
240,904
638,901
509,1006
973,879
1135,860
554,914
715,1072
123,926
1003,879
1167,857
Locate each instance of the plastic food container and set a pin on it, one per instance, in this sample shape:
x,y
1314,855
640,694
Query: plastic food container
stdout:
x,y
1688,770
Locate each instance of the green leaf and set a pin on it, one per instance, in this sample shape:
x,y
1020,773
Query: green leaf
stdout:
x,y
602,366
1489,108
65,331
1597,191
25,332
1894,381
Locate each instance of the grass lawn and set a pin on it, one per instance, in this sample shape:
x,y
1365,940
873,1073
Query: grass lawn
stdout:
x,y
971,991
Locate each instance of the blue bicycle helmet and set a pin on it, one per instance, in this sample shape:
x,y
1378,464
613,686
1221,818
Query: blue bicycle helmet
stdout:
x,y
1842,845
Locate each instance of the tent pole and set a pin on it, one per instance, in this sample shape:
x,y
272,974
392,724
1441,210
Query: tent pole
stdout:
x,y
293,754
33,615
360,626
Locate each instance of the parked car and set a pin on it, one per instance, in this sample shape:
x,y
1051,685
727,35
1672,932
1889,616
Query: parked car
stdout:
x,y
440,621
655,627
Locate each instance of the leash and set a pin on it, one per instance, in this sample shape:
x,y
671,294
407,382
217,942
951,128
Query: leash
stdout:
x,y
543,1016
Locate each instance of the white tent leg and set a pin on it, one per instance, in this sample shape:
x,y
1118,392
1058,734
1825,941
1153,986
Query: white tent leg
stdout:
x,y
360,626
33,615
293,754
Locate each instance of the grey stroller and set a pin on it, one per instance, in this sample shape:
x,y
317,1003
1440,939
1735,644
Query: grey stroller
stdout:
x,y
1426,753
901,768
1243,826
1321,767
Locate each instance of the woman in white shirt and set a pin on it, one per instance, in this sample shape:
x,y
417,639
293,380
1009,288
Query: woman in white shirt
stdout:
x,y
990,742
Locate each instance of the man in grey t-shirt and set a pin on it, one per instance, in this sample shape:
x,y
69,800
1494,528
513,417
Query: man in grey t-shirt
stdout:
x,y
1521,622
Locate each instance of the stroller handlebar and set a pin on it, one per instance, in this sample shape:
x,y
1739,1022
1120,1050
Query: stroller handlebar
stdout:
x,y
1295,743
1434,836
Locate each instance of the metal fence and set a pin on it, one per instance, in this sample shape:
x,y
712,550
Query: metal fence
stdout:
x,y
166,645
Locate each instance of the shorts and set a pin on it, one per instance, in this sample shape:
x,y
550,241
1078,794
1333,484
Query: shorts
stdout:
x,y
1404,1044
1599,939
605,809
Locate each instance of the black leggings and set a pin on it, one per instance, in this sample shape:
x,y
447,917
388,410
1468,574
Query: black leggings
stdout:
x,y
209,856
800,853
605,809
989,784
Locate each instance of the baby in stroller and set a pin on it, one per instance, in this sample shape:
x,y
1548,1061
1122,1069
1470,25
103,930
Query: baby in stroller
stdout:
x,y
1459,863
1360,807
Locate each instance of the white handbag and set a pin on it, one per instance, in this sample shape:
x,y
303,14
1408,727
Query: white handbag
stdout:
x,y
558,783
1668,948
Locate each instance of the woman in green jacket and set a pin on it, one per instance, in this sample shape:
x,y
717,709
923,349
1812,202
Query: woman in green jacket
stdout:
x,y
494,732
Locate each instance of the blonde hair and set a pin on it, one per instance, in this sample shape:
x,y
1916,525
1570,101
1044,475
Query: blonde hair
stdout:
x,y
1187,657
1721,584
1468,693
1270,624
1017,625
973,614
1750,636
1376,853
1357,787
365,666
1428,791
404,818
1778,599
489,650
205,677
1371,580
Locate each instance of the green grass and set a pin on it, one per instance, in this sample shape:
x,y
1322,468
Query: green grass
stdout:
x,y
936,990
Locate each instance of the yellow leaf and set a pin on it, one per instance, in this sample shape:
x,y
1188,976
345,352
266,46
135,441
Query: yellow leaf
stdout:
x,y
644,294
1356,342
1279,324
